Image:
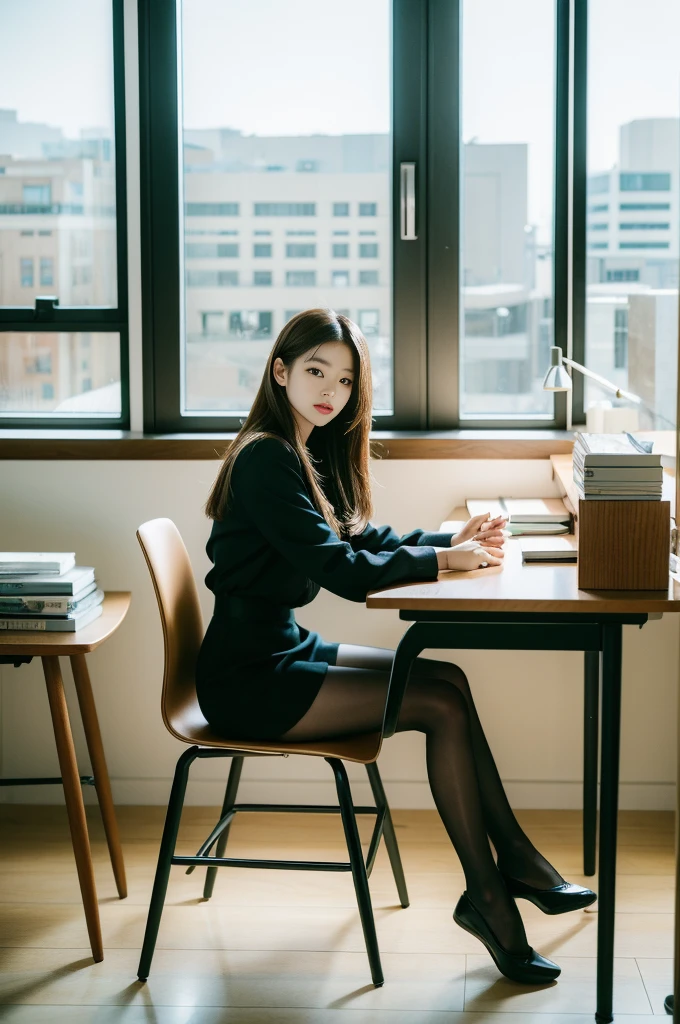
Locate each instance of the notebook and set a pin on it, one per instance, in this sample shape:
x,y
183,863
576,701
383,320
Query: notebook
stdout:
x,y
556,549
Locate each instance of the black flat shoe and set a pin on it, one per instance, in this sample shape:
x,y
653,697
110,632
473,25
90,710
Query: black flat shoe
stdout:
x,y
530,969
558,900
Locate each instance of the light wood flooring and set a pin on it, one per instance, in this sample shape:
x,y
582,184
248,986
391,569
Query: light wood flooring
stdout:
x,y
275,947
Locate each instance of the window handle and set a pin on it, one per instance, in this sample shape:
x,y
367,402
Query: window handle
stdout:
x,y
408,202
45,307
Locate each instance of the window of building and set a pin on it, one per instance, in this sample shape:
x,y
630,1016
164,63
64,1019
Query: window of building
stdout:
x,y
644,245
214,322
26,272
368,209
46,271
290,313
284,210
209,250
37,195
262,278
211,209
367,277
598,183
212,278
300,278
598,227
301,234
250,324
644,182
622,275
300,250
647,226
262,233
307,165
369,322
261,250
368,250
620,338
340,250
339,234
644,206
340,278
341,209
599,208
47,390
598,245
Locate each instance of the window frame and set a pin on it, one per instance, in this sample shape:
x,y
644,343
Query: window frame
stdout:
x,y
426,301
90,319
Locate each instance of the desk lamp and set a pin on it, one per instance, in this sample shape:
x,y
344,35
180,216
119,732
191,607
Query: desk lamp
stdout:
x,y
557,378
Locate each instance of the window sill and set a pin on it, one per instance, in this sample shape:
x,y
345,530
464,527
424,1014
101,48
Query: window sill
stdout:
x,y
399,444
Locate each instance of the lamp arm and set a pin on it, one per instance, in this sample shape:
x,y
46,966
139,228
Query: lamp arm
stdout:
x,y
603,381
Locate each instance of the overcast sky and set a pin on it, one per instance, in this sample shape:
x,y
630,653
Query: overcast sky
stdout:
x,y
295,67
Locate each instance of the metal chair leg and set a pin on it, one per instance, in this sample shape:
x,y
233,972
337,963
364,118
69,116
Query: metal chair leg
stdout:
x,y
229,801
356,858
388,832
591,713
160,885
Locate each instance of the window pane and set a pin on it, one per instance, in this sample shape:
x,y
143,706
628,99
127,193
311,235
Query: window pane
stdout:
x,y
291,163
507,174
67,375
57,173
633,227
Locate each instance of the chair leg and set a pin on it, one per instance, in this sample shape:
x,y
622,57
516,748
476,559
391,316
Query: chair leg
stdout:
x,y
349,823
73,795
591,712
228,803
88,713
388,832
160,885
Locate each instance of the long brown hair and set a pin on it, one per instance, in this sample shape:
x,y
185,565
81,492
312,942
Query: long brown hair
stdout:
x,y
340,488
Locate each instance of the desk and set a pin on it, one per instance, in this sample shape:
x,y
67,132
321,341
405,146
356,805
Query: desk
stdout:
x,y
534,607
49,647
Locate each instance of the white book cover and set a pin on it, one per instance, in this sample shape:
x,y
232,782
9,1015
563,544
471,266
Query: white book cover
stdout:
x,y
557,549
22,563
46,605
67,624
70,583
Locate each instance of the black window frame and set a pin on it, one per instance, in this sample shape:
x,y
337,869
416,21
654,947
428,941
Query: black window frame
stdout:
x,y
426,307
90,319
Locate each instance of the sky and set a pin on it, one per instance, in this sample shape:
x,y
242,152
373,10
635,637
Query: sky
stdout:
x,y
290,67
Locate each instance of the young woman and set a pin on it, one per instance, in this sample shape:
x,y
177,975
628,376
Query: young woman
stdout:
x,y
291,508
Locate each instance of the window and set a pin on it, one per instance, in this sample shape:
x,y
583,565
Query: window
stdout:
x,y
214,322
261,250
298,250
368,250
340,278
300,278
368,209
341,209
340,250
262,278
620,339
212,278
368,277
644,206
599,208
211,209
46,271
26,272
598,183
62,216
369,322
285,210
208,250
599,227
644,245
622,275
645,182
251,324
650,226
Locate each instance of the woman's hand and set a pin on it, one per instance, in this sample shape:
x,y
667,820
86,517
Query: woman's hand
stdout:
x,y
488,532
467,556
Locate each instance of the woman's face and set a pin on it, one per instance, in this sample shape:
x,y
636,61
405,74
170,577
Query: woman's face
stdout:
x,y
318,384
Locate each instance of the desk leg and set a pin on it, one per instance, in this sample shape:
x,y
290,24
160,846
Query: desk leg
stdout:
x,y
591,714
74,801
609,800
88,713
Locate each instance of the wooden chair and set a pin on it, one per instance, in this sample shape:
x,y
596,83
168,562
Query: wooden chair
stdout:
x,y
177,596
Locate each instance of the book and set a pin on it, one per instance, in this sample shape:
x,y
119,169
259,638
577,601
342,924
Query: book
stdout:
x,y
23,563
623,473
558,550
536,529
70,583
46,605
522,510
619,450
63,624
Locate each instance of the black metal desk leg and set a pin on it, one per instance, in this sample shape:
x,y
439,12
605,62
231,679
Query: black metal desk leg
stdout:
x,y
609,802
591,708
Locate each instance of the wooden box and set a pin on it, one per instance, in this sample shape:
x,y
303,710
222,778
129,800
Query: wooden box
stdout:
x,y
623,545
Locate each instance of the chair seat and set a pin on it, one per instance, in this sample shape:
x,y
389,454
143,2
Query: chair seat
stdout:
x,y
189,725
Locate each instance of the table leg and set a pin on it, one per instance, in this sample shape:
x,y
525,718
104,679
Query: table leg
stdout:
x,y
591,701
74,801
93,737
609,800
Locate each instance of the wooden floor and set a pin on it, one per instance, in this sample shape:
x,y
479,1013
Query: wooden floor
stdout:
x,y
286,947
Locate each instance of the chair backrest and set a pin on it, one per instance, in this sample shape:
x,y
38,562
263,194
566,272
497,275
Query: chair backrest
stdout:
x,y
175,586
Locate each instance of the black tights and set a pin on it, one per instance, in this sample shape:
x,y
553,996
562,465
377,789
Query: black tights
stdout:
x,y
464,780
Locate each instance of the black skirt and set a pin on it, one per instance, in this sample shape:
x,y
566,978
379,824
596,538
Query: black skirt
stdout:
x,y
258,671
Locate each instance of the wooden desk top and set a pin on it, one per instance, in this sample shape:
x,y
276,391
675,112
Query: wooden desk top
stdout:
x,y
116,604
514,587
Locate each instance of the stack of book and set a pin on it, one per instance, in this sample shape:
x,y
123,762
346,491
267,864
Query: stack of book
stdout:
x,y
526,516
616,467
47,591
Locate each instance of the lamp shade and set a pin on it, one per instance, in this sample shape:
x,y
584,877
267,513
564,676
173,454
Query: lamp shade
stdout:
x,y
557,378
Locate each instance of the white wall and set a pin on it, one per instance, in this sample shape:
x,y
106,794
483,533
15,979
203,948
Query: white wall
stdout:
x,y
531,703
